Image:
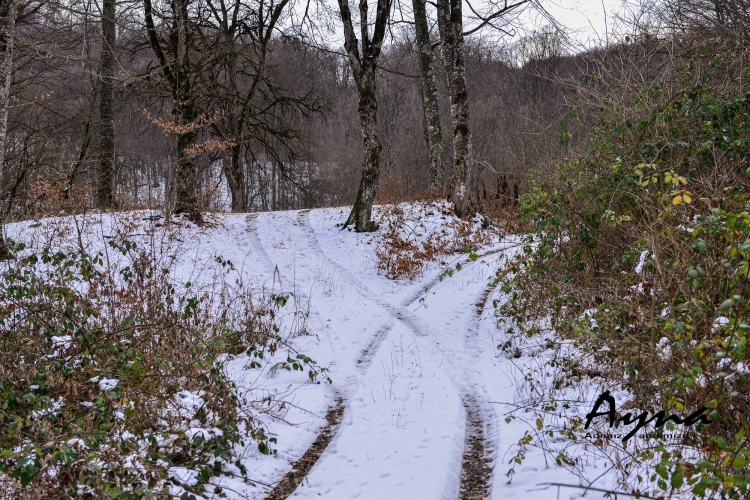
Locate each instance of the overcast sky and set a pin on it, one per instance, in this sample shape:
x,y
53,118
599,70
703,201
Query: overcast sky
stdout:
x,y
589,22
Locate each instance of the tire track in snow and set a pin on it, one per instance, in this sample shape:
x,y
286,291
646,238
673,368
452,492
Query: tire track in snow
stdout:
x,y
422,291
259,249
368,353
476,462
300,468
478,455
476,469
479,452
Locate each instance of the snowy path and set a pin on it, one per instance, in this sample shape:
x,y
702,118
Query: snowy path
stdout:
x,y
416,370
391,431
415,364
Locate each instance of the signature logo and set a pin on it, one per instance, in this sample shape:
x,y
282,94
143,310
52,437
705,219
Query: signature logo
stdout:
x,y
643,419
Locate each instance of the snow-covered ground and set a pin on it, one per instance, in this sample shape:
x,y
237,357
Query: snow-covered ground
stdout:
x,y
406,358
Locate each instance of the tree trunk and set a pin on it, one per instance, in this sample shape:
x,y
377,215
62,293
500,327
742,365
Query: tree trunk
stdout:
x,y
364,67
450,24
274,194
431,119
186,171
178,71
106,182
7,30
235,174
368,119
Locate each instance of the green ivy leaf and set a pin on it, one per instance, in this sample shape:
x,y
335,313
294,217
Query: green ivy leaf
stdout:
x,y
677,479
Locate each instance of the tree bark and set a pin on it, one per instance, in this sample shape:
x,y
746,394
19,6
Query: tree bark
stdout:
x,y
106,182
186,169
368,120
450,24
364,67
178,71
432,131
235,175
238,93
7,31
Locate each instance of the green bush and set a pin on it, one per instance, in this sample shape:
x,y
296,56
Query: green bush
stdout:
x,y
648,232
109,377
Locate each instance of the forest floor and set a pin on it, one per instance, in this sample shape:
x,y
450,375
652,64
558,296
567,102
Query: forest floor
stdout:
x,y
419,392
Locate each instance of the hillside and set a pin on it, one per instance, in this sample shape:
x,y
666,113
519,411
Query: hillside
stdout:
x,y
414,365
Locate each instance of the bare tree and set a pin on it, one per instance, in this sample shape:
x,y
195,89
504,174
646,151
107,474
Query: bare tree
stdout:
x,y
173,55
7,29
732,17
106,179
247,101
450,23
364,66
432,130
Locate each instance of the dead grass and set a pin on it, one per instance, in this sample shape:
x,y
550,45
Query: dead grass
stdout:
x,y
112,372
413,234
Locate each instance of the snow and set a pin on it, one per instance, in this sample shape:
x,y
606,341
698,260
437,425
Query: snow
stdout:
x,y
641,261
205,434
63,340
663,349
108,384
719,322
52,410
404,356
76,443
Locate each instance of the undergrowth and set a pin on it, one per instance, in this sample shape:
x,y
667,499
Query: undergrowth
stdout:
x,y
414,234
638,256
112,379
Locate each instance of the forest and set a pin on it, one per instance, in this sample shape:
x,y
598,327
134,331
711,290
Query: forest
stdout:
x,y
220,107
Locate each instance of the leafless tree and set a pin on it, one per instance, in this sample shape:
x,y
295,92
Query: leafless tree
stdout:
x,y
450,22
8,10
432,129
247,103
364,70
172,44
106,179
730,17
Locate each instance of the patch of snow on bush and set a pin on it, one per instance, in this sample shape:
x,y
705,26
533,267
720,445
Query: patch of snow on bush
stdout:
x,y
63,340
108,384
663,348
641,262
184,475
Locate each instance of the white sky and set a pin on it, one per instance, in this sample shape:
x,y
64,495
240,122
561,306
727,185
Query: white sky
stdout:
x,y
588,22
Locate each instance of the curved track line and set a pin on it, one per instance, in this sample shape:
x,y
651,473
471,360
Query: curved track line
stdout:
x,y
302,467
476,470
479,453
366,355
257,244
434,281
